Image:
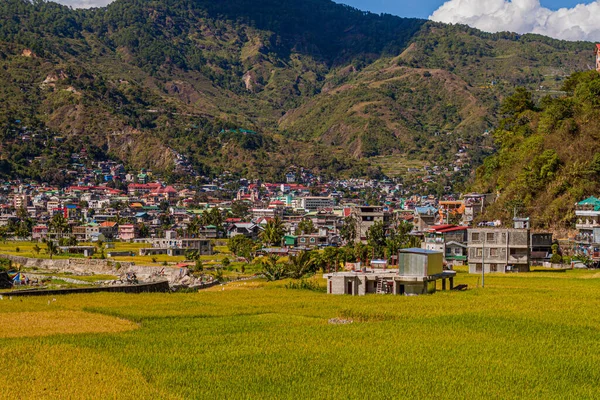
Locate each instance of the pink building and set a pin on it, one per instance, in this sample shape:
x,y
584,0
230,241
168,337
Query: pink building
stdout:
x,y
127,232
597,53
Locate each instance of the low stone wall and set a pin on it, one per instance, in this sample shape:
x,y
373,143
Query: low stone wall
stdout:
x,y
85,266
74,265
156,287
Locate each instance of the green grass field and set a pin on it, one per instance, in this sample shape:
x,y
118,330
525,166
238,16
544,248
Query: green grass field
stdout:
x,y
26,249
534,335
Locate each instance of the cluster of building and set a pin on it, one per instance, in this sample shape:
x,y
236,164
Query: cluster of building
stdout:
x,y
142,208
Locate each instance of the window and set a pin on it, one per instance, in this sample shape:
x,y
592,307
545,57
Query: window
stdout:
x,y
493,267
312,240
477,267
302,240
475,236
479,252
489,237
493,252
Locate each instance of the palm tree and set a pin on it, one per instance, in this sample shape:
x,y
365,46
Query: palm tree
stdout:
x,y
59,224
272,269
51,248
273,232
300,264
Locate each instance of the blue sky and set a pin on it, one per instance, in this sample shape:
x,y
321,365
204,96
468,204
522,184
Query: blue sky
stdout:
x,y
561,19
424,8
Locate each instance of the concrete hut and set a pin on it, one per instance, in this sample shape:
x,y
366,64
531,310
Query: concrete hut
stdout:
x,y
417,273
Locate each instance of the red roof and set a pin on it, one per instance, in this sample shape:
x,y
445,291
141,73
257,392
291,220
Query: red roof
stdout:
x,y
454,229
598,46
437,228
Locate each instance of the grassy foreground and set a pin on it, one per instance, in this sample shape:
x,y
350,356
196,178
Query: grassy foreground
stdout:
x,y
533,335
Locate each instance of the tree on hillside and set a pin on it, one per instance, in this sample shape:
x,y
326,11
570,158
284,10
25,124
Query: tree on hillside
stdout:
x,y
521,100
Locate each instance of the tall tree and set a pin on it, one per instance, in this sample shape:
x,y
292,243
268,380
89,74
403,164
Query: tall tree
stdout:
x,y
273,232
348,231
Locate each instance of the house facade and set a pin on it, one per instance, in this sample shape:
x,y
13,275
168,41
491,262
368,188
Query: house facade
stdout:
x,y
498,250
587,224
451,240
417,273
366,217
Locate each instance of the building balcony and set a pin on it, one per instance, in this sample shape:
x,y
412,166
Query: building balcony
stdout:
x,y
587,225
518,259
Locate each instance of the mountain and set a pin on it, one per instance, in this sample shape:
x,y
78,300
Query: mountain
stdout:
x,y
549,154
319,84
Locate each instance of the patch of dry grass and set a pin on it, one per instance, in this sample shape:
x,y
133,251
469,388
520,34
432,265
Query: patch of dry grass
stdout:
x,y
63,371
46,323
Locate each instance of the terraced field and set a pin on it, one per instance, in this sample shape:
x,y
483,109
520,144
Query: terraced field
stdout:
x,y
534,335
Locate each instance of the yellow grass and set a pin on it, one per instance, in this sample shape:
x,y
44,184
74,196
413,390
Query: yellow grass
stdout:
x,y
70,372
46,323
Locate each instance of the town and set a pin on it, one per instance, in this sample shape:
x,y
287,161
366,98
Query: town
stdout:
x,y
365,222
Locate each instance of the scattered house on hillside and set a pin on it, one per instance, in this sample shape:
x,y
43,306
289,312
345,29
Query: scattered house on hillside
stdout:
x,y
588,220
597,54
417,273
475,203
425,217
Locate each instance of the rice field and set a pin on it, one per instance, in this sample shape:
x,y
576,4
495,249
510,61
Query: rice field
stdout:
x,y
26,249
534,335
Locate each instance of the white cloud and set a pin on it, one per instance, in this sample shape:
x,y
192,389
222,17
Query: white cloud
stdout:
x,y
581,22
84,3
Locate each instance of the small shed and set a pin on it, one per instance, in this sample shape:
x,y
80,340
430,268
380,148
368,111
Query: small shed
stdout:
x,y
420,262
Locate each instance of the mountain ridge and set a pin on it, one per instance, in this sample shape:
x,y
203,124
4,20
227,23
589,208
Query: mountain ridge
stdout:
x,y
141,79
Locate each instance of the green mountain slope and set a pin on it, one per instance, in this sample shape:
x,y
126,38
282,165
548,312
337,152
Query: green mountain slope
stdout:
x,y
549,155
324,85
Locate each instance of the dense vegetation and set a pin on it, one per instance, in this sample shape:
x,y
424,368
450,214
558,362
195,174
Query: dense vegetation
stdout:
x,y
322,84
549,153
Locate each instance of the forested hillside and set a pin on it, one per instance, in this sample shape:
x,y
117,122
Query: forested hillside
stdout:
x,y
323,85
549,153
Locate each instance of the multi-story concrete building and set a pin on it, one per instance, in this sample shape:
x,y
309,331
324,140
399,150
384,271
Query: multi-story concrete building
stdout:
x,y
366,217
588,220
475,203
498,249
417,273
173,245
312,203
451,240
